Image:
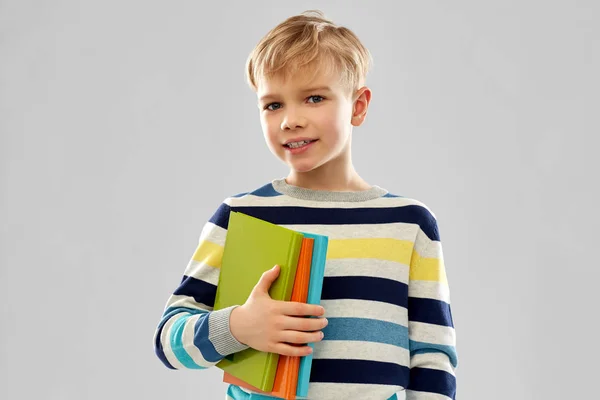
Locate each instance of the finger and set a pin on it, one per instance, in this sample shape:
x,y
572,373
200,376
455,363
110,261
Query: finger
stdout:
x,y
299,337
266,279
302,323
292,350
301,309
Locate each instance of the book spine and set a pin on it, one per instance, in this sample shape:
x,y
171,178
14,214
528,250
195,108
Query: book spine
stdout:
x,y
314,297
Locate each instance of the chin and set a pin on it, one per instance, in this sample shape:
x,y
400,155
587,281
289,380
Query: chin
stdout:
x,y
302,167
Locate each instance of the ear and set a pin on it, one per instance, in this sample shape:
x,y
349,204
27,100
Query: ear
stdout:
x,y
361,105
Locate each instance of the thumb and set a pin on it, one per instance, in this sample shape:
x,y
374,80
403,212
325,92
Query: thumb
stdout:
x,y
267,279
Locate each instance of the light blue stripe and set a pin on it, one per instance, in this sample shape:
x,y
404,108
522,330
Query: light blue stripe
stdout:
x,y
177,343
422,347
236,393
366,330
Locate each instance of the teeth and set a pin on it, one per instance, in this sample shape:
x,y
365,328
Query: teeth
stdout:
x,y
294,145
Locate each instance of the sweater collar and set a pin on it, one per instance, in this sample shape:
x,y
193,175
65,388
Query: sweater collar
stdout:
x,y
281,186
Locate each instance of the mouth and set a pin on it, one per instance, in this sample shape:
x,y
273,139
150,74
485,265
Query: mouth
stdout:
x,y
299,147
299,144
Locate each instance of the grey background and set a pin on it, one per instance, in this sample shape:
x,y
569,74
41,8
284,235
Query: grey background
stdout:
x,y
117,118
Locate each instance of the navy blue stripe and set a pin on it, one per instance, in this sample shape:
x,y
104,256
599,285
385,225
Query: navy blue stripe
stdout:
x,y
358,371
221,216
203,292
333,216
161,356
433,381
365,288
266,191
429,311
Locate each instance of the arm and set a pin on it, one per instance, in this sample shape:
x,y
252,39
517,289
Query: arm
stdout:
x,y
190,335
431,329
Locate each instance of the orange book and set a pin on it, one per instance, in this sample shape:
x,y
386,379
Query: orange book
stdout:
x,y
286,377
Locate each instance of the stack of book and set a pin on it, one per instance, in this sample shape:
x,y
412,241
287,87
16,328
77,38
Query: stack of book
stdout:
x,y
253,246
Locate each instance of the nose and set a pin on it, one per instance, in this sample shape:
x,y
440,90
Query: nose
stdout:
x,y
292,120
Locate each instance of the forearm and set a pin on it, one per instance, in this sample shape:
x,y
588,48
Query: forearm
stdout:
x,y
189,338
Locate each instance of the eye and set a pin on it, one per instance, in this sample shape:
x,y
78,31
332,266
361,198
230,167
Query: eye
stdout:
x,y
270,105
316,98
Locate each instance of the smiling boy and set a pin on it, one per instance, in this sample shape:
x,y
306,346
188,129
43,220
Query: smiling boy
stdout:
x,y
305,123
385,304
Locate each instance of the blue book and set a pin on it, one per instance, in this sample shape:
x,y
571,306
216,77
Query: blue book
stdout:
x,y
315,287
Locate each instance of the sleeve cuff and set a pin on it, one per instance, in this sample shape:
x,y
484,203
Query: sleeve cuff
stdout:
x,y
220,333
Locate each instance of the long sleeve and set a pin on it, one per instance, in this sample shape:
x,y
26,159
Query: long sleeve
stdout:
x,y
190,334
432,339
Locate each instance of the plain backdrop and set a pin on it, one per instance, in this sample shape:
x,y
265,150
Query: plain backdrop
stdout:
x,y
125,123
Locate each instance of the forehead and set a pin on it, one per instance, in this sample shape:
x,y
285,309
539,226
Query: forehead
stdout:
x,y
302,79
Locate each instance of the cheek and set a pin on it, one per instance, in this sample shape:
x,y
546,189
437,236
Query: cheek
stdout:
x,y
333,124
270,131
267,127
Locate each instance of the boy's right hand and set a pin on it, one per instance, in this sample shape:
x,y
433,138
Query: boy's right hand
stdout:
x,y
275,326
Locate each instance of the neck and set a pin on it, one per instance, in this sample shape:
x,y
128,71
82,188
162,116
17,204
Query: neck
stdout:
x,y
336,175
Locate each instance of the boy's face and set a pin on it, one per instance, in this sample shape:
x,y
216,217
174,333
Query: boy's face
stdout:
x,y
309,107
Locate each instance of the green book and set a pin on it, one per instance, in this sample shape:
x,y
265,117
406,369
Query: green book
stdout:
x,y
253,246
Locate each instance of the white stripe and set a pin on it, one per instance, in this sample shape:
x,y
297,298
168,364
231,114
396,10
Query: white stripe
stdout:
x,y
414,395
166,341
213,233
352,308
203,271
426,247
337,391
437,361
188,302
367,267
394,230
353,350
430,333
429,290
188,342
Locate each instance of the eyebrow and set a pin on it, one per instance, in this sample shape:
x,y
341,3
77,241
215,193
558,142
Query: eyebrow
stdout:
x,y
309,90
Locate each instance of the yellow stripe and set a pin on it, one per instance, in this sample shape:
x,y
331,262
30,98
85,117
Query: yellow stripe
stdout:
x,y
209,253
381,248
427,269
422,268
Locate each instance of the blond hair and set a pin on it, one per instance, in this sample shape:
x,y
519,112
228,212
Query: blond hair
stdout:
x,y
309,40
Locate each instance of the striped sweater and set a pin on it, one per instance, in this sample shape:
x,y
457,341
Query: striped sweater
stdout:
x,y
385,295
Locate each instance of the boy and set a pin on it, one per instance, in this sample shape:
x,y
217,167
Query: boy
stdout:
x,y
388,324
